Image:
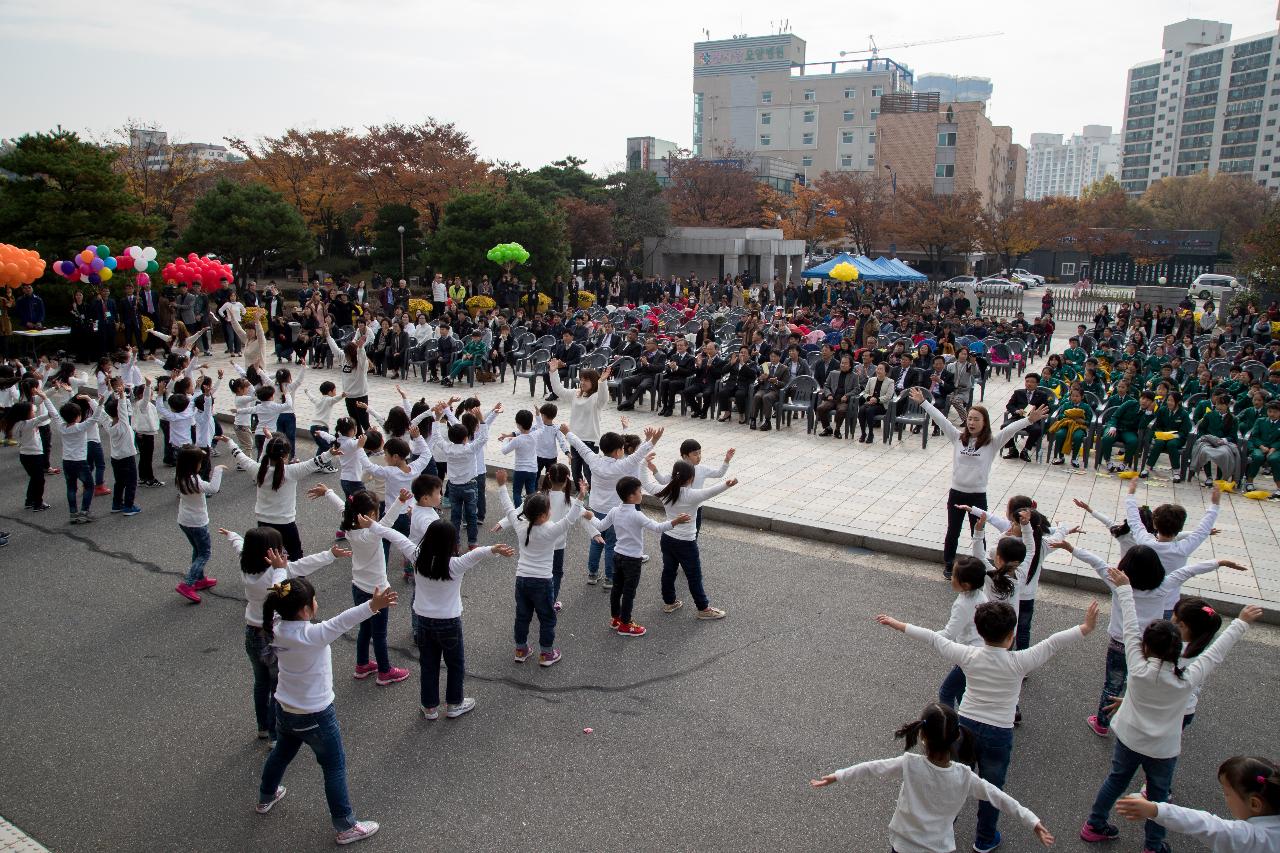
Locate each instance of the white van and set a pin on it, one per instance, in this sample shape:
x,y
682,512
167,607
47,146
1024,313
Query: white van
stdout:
x,y
1213,284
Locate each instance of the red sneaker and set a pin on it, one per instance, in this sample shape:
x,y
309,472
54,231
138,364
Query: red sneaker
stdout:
x,y
392,675
101,491
631,629
364,670
523,653
205,583
614,623
1097,728
188,592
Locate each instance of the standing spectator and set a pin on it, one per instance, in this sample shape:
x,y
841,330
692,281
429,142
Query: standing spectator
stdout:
x,y
102,311
130,308
232,313
28,309
439,292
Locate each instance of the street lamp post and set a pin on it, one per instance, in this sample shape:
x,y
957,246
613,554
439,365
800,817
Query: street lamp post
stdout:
x,y
400,228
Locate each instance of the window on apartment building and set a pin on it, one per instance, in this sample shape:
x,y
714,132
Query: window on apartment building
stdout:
x,y
876,113
806,139
944,170
810,116
846,137
766,97
810,95
876,91
848,115
1068,269
846,161
765,140
766,118
871,137
850,92
871,160
806,160
947,140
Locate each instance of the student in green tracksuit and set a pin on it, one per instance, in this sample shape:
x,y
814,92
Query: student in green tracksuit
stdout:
x,y
1250,415
1091,382
472,354
1202,383
1272,385
1073,353
1170,417
1124,422
1264,446
1069,425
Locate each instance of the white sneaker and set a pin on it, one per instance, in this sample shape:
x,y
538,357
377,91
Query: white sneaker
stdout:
x,y
430,713
461,708
673,606
263,808
362,830
711,613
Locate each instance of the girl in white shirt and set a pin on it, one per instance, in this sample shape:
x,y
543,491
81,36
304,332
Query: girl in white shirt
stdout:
x,y
368,574
934,787
193,516
321,412
22,422
585,407
287,420
277,500
1251,787
437,612
1148,726
536,539
680,543
116,415
146,424
304,694
968,578
263,564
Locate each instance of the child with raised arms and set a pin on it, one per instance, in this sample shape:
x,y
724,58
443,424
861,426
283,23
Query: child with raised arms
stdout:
x,y
193,516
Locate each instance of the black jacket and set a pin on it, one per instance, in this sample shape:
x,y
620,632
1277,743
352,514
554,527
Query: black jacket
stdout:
x,y
1021,401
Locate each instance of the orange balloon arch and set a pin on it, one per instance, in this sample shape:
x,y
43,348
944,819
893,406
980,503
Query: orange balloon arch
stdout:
x,y
19,266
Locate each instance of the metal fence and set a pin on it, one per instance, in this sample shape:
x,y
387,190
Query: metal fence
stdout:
x,y
1072,306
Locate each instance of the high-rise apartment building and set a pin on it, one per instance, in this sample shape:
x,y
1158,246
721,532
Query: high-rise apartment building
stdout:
x,y
1209,103
1058,168
952,88
757,96
950,148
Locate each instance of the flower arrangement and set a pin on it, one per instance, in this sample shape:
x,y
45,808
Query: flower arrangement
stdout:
x,y
477,304
586,299
147,326
257,315
416,305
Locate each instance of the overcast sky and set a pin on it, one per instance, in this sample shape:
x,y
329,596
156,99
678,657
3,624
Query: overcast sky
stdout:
x,y
532,82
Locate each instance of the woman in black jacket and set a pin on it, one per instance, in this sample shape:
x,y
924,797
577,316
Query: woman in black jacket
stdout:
x,y
736,384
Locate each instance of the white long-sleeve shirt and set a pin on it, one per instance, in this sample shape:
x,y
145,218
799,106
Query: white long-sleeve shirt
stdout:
x,y
257,585
524,446
1150,603
629,525
930,799
1173,554
687,502
434,599
1014,599
393,477
368,563
537,550
146,418
306,665
75,437
180,423
701,473
460,458
994,675
607,471
478,441
204,423
279,506
970,465
1149,721
1256,835
355,379
193,509
960,627
584,412
323,407
27,433
546,438
1027,592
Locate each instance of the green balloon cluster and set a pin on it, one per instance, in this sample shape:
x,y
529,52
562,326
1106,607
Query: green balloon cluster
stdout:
x,y
508,253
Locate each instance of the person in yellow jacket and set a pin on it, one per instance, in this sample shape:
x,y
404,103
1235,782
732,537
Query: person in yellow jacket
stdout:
x,y
1069,426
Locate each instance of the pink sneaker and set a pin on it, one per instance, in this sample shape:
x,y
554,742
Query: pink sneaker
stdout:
x,y
188,592
364,670
205,583
1093,834
549,658
557,607
392,675
1096,727
362,830
523,653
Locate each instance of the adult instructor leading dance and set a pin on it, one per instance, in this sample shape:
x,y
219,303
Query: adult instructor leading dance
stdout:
x,y
975,450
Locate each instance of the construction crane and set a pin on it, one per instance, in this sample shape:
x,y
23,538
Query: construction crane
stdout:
x,y
875,49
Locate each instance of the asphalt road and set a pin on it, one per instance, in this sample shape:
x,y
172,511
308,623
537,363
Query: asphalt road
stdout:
x,y
128,722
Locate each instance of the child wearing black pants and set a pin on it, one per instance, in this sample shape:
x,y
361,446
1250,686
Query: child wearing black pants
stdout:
x,y
629,525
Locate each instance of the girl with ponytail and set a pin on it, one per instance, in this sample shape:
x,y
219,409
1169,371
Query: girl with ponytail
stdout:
x,y
1148,726
934,787
276,504
304,694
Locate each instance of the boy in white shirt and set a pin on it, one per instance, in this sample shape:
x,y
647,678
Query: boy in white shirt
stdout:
x,y
115,414
524,479
323,409
993,676
629,525
146,423
548,436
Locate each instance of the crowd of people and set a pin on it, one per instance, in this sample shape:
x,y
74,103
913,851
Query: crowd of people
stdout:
x,y
398,471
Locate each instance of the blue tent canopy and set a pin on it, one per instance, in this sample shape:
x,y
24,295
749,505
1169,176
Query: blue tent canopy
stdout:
x,y
867,270
904,272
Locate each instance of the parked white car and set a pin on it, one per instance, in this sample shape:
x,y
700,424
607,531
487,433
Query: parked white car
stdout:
x,y
1029,279
1214,284
998,285
961,281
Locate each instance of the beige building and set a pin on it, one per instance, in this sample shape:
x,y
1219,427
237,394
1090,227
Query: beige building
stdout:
x,y
758,96
949,148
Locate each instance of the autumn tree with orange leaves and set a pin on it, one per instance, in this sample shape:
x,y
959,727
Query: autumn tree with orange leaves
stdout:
x,y
719,193
806,214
